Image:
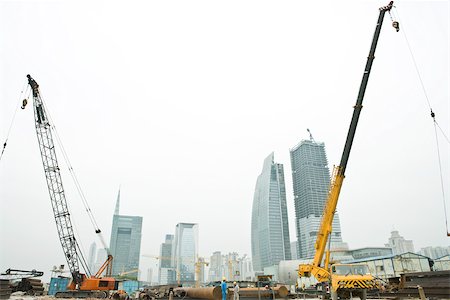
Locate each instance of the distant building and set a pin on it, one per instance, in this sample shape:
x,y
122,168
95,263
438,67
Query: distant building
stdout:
x,y
125,243
270,231
166,270
435,252
215,267
311,181
246,269
230,266
185,252
398,243
91,257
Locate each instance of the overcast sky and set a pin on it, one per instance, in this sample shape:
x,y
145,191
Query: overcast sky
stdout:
x,y
179,102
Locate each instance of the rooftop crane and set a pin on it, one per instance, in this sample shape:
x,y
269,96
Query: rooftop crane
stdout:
x,y
344,279
82,285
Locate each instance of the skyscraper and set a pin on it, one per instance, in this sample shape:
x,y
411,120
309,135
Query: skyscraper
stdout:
x,y
270,230
125,243
311,180
185,252
215,267
165,275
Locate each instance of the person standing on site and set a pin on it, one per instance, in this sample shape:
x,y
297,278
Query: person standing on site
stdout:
x,y
224,287
236,291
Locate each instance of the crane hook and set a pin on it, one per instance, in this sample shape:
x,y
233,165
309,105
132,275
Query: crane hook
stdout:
x,y
396,25
24,103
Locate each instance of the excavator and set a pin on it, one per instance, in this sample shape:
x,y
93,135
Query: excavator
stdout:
x,y
82,285
344,280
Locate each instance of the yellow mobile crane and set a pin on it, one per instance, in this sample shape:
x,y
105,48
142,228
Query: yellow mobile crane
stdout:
x,y
344,280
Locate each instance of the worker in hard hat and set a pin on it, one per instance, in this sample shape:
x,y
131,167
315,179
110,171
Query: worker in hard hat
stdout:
x,y
236,291
224,287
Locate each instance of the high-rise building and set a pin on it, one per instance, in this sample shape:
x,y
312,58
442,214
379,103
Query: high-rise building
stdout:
x,y
125,243
311,180
91,257
215,267
166,274
246,269
398,243
185,252
270,231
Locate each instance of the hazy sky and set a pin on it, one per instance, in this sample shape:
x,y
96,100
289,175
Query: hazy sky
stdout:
x,y
179,102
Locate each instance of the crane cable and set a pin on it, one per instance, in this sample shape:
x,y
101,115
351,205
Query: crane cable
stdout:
x,y
25,86
435,123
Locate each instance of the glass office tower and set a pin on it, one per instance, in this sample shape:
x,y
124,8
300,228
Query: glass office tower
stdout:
x,y
125,243
185,252
270,229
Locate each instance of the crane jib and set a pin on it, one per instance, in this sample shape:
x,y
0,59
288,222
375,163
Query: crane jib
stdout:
x,y
362,89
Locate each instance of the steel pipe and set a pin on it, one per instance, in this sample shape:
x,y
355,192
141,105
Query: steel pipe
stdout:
x,y
209,293
278,291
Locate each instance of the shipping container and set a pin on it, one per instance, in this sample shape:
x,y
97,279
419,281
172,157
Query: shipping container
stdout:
x,y
58,284
130,286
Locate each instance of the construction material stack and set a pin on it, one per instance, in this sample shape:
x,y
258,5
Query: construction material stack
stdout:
x,y
31,286
5,289
430,284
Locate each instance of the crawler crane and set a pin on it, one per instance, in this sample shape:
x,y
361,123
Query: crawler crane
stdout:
x,y
344,280
82,285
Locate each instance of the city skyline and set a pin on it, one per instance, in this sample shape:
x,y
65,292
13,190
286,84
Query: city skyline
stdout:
x,y
184,117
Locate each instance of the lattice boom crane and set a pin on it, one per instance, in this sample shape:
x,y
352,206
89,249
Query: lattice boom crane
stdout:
x,y
82,285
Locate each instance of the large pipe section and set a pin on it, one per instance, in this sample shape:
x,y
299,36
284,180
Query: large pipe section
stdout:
x,y
209,293
272,292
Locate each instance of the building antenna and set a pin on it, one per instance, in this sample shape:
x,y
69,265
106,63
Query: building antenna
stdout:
x,y
310,135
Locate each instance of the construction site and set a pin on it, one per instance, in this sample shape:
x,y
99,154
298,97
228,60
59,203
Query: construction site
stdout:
x,y
405,276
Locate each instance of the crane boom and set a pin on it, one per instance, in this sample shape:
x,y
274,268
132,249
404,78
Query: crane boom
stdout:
x,y
316,268
55,186
362,89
